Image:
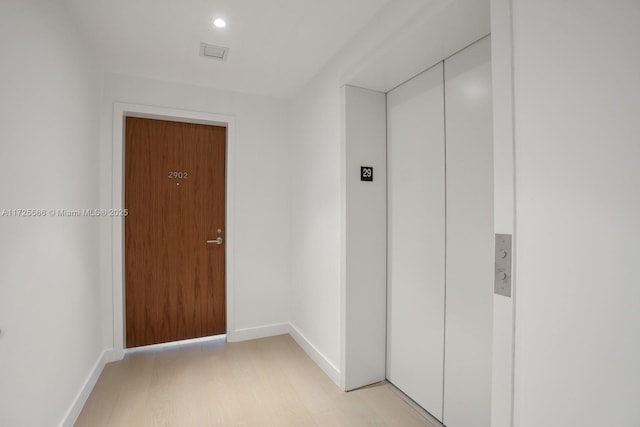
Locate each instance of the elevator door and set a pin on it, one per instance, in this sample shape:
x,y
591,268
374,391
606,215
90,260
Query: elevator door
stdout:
x,y
440,238
469,253
416,238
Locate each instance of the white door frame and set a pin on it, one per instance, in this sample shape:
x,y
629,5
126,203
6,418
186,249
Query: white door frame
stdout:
x,y
120,111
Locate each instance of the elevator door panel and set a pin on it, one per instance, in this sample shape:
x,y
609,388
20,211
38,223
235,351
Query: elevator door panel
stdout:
x,y
416,238
469,292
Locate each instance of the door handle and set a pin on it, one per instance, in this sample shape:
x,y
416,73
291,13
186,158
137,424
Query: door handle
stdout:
x,y
217,241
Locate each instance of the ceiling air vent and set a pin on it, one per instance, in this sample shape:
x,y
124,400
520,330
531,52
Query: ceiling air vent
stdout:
x,y
212,51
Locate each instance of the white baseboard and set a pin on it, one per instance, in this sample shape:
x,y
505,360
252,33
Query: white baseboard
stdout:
x,y
81,398
112,355
258,332
321,360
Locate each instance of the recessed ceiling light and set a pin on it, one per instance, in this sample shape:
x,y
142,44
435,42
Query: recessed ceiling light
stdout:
x,y
220,23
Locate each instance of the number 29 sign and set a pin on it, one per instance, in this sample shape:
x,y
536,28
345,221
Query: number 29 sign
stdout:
x,y
366,173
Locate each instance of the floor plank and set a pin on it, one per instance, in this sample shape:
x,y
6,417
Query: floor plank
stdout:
x,y
265,382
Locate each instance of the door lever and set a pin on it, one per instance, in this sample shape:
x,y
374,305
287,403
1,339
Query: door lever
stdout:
x,y
216,241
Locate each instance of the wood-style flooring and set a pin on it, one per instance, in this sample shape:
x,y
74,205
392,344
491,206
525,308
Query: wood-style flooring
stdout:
x,y
265,382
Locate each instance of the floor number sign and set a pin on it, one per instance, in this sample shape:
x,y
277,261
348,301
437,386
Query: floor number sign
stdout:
x,y
366,173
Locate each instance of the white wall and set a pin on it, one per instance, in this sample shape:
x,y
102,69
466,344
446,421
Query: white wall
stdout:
x,y
577,139
315,221
317,180
364,237
261,184
49,285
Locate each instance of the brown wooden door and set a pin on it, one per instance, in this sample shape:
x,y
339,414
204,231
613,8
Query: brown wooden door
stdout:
x,y
175,198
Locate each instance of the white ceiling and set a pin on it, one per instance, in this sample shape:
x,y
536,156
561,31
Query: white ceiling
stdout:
x,y
276,46
435,32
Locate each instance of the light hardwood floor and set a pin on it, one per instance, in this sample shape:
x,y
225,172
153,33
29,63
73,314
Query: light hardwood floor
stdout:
x,y
266,382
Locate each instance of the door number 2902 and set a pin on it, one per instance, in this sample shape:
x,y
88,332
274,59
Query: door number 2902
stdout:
x,y
178,175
